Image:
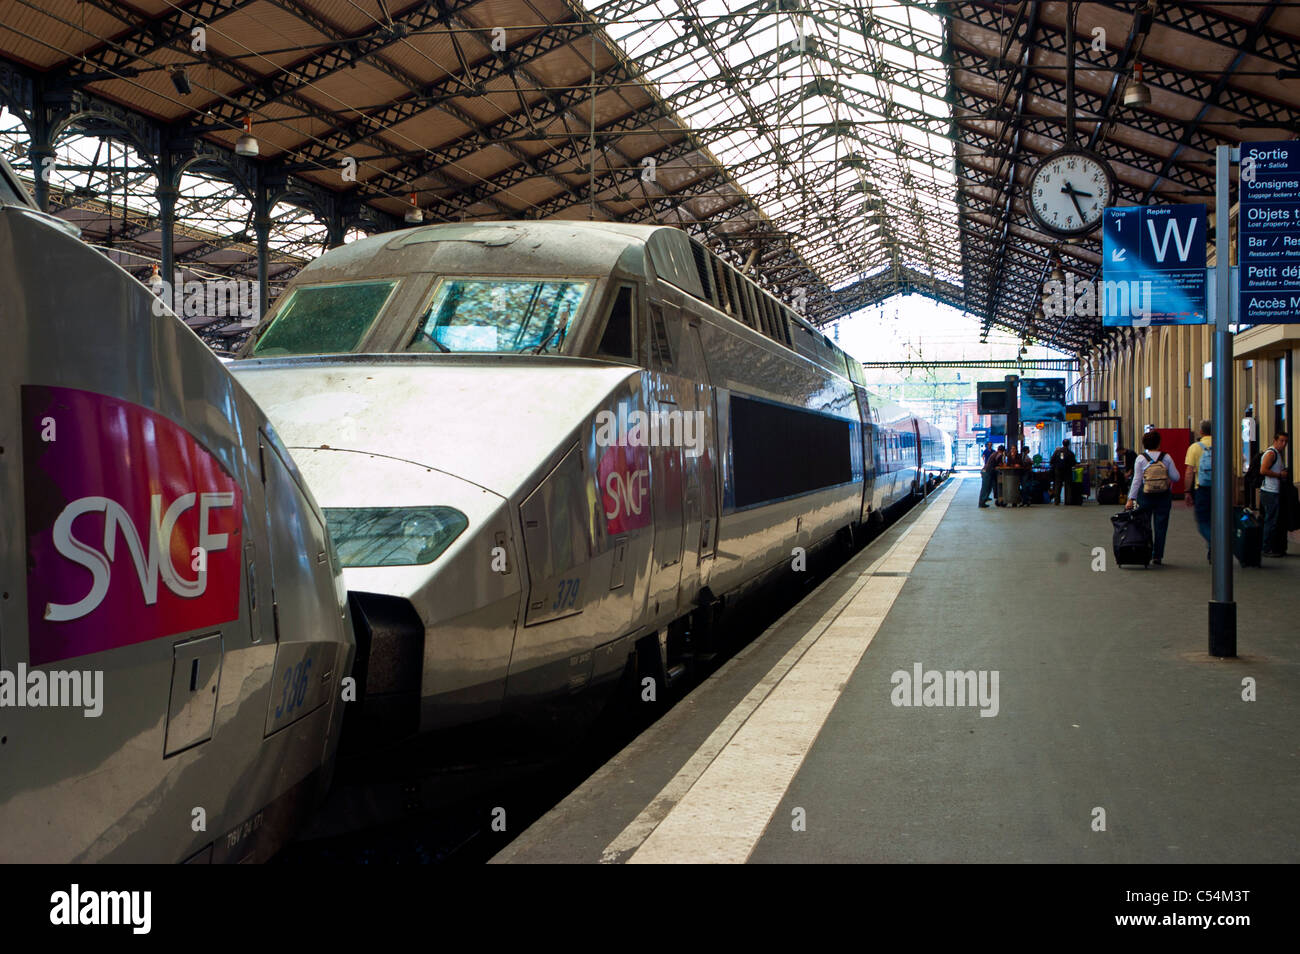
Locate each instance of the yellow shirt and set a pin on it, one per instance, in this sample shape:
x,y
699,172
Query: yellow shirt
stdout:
x,y
1194,458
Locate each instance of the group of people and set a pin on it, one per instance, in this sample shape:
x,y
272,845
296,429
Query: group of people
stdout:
x,y
1061,468
1154,475
1001,457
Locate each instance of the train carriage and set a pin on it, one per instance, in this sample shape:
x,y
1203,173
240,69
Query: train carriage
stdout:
x,y
545,449
174,631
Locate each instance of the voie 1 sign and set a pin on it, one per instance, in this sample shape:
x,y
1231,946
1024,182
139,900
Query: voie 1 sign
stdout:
x,y
1269,233
1153,265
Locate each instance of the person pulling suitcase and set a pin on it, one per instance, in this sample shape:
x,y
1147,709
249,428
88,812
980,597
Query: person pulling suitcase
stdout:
x,y
1154,475
1132,538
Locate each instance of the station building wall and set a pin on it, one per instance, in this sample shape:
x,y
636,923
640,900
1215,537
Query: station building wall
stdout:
x,y
1156,377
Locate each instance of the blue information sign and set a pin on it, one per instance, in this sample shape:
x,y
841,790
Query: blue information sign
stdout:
x,y
1153,265
1268,234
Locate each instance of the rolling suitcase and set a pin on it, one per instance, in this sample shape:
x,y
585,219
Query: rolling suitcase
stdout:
x,y
1074,493
1132,541
1247,537
1108,495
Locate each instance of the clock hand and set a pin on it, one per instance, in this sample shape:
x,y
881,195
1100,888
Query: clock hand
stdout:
x,y
1074,197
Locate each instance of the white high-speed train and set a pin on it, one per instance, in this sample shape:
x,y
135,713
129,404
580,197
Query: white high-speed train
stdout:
x,y
548,451
174,631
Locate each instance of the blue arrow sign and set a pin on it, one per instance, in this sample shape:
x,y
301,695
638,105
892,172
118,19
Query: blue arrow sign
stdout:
x,y
1153,265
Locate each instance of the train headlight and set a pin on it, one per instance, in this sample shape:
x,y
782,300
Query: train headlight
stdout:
x,y
393,536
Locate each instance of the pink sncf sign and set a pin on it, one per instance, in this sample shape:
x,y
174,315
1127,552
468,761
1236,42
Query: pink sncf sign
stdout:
x,y
133,527
623,477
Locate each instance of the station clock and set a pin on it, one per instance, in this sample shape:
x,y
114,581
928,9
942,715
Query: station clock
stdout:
x,y
1068,191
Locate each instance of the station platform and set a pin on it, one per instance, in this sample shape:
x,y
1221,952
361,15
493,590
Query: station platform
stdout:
x,y
1112,735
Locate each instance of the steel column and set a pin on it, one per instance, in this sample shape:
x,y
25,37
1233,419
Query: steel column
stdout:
x,y
1223,610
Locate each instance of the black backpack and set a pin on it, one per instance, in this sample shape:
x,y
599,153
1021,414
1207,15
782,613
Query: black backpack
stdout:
x,y
1255,472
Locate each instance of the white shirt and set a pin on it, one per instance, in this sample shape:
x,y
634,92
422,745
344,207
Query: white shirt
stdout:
x,y
1139,468
1271,484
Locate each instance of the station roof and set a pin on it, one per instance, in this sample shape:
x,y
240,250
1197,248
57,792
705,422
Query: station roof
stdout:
x,y
851,149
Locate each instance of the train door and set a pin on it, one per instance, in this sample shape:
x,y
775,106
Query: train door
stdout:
x,y
663,402
303,599
915,428
699,480
868,452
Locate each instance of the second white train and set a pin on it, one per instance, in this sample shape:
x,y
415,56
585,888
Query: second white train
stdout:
x,y
547,451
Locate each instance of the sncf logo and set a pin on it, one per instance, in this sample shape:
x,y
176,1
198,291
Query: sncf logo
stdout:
x,y
626,495
133,526
159,536
623,482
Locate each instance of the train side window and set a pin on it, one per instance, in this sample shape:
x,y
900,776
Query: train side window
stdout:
x,y
660,349
754,309
742,310
723,295
701,256
773,318
746,303
764,319
620,327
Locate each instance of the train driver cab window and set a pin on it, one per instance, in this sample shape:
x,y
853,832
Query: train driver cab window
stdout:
x,y
324,319
620,327
497,314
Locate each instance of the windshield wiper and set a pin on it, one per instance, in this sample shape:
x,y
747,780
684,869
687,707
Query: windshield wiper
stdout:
x,y
438,344
561,328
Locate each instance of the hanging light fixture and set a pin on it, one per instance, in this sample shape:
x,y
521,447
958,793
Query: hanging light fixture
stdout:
x,y
246,145
156,281
1137,93
181,81
1057,274
413,215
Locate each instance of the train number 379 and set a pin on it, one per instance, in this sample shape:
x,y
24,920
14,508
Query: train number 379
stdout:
x,y
567,596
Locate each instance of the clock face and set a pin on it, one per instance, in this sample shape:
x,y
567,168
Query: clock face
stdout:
x,y
1069,190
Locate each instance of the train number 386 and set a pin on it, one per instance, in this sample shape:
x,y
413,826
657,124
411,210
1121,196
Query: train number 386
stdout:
x,y
294,693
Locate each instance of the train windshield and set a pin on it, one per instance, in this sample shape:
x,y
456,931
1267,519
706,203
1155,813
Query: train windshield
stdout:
x,y
392,536
324,319
497,314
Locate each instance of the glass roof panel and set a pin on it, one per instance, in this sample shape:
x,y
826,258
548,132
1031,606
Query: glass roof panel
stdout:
x,y
828,112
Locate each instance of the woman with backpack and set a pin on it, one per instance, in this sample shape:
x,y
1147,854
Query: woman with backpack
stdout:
x,y
1154,476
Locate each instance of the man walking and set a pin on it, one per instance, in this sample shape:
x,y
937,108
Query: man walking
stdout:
x,y
1200,470
988,475
1062,464
1270,495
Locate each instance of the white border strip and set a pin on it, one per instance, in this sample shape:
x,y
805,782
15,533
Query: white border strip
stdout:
x,y
718,805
